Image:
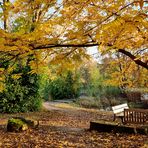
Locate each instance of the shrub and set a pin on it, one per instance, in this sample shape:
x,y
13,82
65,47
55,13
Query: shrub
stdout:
x,y
100,91
59,90
21,95
89,102
44,88
137,105
117,101
105,102
64,87
112,91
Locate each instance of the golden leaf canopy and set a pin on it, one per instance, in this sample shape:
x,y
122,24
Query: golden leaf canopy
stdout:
x,y
54,29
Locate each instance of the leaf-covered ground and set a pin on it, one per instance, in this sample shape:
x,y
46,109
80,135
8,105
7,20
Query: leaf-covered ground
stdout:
x,y
67,128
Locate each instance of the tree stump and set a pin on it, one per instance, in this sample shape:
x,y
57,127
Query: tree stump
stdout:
x,y
18,124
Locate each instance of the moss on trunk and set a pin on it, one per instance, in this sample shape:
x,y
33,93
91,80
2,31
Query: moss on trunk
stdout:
x,y
18,124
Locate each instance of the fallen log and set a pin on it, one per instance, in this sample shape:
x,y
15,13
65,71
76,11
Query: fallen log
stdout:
x,y
105,126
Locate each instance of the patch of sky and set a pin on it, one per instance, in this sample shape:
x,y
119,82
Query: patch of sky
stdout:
x,y
95,54
52,11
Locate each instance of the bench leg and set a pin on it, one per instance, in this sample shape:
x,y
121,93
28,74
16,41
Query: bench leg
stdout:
x,y
114,117
122,119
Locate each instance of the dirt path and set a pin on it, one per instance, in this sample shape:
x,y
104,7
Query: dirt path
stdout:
x,y
51,106
66,106
70,116
63,105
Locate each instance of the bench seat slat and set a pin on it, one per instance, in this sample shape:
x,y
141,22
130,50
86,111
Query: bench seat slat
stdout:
x,y
119,108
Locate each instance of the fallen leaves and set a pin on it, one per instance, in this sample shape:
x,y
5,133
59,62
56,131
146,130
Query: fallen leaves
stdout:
x,y
67,129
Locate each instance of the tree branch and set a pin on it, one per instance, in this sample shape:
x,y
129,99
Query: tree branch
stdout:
x,y
127,53
134,58
65,45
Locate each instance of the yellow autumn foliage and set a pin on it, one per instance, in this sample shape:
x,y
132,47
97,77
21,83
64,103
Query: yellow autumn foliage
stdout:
x,y
60,31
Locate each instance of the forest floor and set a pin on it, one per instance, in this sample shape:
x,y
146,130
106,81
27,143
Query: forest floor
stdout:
x,y
66,126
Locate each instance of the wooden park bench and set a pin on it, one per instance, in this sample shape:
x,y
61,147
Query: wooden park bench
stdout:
x,y
135,116
118,111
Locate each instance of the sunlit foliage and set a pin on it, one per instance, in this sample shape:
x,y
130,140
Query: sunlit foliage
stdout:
x,y
59,31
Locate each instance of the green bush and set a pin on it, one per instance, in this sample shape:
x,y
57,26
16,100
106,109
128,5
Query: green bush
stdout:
x,y
64,87
100,91
58,89
21,95
111,91
44,88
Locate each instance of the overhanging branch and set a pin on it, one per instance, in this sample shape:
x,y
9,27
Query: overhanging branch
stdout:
x,y
134,58
64,45
123,51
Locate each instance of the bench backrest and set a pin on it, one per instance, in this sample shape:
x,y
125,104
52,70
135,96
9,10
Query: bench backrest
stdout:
x,y
119,108
135,115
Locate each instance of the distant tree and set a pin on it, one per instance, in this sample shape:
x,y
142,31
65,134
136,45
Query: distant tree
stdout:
x,y
121,71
